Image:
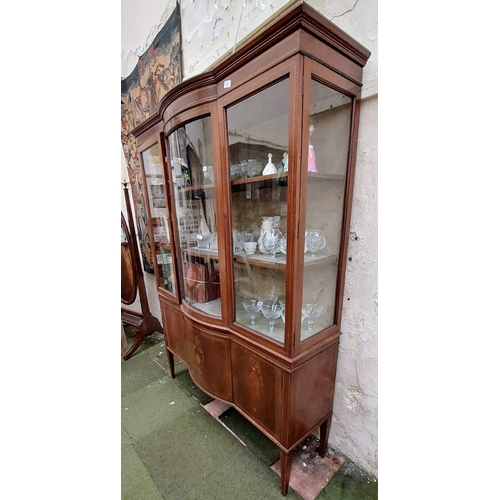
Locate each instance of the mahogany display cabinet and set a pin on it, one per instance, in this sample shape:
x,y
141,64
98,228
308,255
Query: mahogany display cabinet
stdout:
x,y
248,173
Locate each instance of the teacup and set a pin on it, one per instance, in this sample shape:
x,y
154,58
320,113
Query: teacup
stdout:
x,y
250,247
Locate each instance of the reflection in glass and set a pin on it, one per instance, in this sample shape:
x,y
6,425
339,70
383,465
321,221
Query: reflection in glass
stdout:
x,y
257,130
160,239
190,148
329,133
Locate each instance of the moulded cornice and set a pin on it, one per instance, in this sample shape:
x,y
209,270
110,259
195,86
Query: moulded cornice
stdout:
x,y
282,24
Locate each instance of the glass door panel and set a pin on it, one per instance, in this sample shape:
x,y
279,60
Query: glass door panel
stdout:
x,y
160,239
258,144
329,136
190,149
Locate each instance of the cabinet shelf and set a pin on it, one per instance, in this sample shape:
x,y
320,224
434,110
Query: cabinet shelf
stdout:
x,y
265,260
260,259
329,177
164,246
261,178
202,253
281,176
200,187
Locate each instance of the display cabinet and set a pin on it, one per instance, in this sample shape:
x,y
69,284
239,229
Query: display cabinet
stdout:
x,y
158,217
254,160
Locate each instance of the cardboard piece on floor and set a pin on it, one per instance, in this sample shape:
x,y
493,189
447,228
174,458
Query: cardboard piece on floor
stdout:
x,y
310,473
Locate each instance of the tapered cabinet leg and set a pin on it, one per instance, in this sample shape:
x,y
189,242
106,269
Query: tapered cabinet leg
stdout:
x,y
324,431
286,468
171,364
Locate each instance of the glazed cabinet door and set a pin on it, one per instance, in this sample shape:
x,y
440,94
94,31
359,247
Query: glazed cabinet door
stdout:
x,y
158,217
258,142
193,191
327,149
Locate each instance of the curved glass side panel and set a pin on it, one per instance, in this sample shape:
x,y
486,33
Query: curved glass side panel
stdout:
x,y
258,144
160,239
190,149
329,136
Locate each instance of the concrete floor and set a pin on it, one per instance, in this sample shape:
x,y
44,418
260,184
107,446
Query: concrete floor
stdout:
x,y
180,444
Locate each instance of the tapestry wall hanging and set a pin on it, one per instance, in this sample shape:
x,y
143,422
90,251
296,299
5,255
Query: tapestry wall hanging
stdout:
x,y
158,70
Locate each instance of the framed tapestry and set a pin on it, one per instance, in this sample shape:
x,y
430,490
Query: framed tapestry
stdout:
x,y
158,70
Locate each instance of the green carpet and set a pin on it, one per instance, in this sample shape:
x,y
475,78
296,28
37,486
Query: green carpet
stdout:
x,y
255,440
186,383
350,483
173,449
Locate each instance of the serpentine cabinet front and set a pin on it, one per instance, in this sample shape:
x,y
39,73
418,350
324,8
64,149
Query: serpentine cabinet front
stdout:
x,y
256,161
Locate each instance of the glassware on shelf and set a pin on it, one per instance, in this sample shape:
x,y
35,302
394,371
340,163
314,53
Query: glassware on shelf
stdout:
x,y
311,311
253,168
250,247
268,223
252,306
315,240
283,244
271,241
235,171
238,240
269,299
203,240
271,312
213,242
282,304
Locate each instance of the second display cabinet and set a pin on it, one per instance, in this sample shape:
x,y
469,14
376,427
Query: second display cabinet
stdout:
x,y
249,170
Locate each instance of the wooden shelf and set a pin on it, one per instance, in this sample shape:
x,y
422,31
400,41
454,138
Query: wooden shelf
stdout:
x,y
281,176
201,187
265,260
164,246
201,252
330,177
260,259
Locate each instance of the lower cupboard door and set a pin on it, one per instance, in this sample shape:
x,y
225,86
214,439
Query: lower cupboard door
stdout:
x,y
209,361
258,389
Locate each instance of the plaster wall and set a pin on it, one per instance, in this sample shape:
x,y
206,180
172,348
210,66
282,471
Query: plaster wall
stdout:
x,y
209,33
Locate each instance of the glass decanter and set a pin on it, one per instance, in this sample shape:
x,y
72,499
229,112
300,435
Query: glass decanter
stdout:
x,y
271,241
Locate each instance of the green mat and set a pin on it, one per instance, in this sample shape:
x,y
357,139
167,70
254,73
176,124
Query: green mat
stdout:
x,y
350,483
188,386
255,440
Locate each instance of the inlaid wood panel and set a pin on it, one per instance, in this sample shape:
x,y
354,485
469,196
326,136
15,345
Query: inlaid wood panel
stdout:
x,y
210,366
175,337
258,389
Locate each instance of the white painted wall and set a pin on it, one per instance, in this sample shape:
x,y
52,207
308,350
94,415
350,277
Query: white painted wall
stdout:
x,y
208,33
